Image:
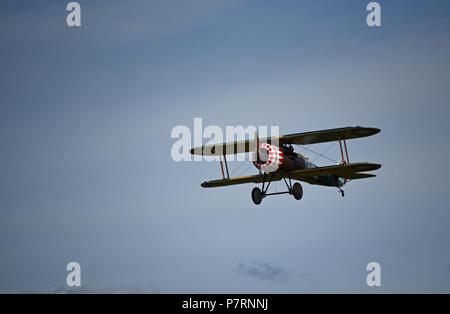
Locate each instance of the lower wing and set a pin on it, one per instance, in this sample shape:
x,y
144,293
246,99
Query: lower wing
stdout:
x,y
347,171
240,180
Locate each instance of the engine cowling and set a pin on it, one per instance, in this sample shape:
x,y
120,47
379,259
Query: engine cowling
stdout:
x,y
271,158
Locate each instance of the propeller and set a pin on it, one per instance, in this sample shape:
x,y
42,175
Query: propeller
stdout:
x,y
258,160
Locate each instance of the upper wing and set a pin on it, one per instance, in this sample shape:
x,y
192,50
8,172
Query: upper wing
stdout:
x,y
297,138
347,171
330,135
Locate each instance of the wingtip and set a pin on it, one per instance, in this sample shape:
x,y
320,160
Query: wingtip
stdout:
x,y
377,130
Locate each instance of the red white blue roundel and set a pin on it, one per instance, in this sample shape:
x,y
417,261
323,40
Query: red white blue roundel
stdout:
x,y
274,158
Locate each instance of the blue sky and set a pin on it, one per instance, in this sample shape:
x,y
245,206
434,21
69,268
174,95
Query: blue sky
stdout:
x,y
85,122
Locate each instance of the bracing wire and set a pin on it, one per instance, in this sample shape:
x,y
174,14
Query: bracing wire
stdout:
x,y
248,167
320,154
302,146
237,168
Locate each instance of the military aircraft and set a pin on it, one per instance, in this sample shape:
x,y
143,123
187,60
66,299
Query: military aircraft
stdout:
x,y
276,160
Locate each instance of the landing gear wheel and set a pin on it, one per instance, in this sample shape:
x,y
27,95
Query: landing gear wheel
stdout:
x,y
256,196
297,191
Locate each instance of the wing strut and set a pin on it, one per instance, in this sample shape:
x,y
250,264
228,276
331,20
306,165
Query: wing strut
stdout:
x,y
343,160
221,167
344,150
226,167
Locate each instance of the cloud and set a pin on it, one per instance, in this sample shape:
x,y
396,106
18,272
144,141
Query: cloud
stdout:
x,y
263,271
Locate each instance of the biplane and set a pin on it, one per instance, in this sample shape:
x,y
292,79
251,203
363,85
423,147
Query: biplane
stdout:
x,y
276,160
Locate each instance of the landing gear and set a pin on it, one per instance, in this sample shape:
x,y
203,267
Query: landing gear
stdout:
x,y
339,184
256,196
297,191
